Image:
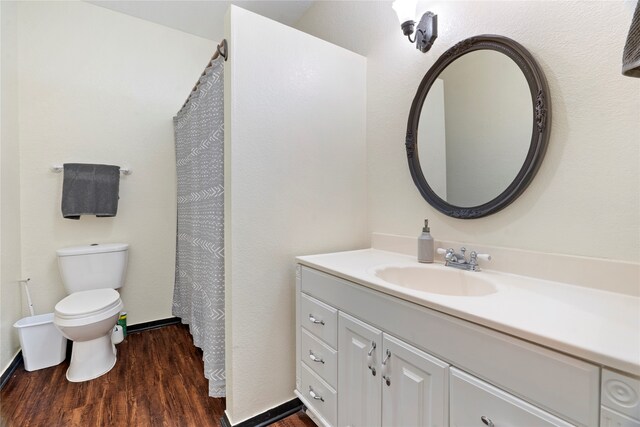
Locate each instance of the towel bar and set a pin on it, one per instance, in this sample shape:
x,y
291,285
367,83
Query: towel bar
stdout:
x,y
60,168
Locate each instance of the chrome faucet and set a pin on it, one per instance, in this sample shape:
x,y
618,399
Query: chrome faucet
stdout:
x,y
459,259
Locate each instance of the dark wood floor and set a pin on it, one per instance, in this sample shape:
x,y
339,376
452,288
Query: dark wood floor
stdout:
x,y
157,381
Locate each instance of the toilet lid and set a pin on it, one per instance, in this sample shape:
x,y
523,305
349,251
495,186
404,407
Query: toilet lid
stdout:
x,y
87,302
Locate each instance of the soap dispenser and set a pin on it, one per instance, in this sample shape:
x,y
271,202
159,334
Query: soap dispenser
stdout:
x,y
426,245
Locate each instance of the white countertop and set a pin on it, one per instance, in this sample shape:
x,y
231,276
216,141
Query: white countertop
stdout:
x,y
598,326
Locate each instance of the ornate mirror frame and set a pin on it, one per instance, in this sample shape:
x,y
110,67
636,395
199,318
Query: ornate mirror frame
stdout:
x,y
539,138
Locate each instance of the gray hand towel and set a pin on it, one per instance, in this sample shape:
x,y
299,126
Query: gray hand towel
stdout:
x,y
90,190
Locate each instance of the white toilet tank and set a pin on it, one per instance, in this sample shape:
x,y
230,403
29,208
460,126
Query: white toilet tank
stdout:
x,y
95,266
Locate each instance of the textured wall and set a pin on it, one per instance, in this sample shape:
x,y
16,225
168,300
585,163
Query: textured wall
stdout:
x,y
585,199
10,272
98,86
295,184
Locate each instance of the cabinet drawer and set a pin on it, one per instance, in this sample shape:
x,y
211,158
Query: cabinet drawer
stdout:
x,y
611,418
321,358
474,402
319,319
621,393
320,396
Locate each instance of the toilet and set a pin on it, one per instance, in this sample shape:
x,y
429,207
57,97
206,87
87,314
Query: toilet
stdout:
x,y
87,316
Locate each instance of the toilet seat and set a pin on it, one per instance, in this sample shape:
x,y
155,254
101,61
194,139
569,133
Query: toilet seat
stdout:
x,y
82,308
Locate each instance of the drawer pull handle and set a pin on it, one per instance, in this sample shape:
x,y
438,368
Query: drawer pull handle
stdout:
x,y
487,421
316,321
315,358
314,395
370,359
373,347
385,375
386,359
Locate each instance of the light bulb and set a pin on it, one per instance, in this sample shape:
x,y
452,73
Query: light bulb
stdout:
x,y
405,9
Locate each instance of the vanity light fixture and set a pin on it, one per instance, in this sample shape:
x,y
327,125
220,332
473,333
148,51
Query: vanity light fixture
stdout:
x,y
427,29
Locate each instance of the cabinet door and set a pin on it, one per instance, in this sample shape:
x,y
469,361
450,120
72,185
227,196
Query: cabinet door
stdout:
x,y
359,386
415,386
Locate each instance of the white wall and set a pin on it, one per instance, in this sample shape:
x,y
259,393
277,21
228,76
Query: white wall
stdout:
x,y
10,271
101,87
295,183
585,199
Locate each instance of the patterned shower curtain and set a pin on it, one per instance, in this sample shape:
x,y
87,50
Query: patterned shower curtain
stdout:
x,y
198,296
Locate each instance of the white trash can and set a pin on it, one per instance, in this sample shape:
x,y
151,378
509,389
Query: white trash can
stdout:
x,y
42,343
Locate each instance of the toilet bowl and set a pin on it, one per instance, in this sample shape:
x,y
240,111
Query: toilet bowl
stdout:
x,y
87,318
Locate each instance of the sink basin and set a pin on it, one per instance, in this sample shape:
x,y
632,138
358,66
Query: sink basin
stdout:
x,y
437,279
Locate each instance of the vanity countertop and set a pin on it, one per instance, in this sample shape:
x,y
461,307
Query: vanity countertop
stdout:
x,y
598,326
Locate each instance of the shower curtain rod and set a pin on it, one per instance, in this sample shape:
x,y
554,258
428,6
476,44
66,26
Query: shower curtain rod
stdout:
x,y
221,50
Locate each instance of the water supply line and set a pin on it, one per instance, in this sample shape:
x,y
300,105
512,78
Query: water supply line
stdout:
x,y
26,291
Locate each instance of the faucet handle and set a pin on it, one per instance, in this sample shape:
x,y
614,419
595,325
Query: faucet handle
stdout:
x,y
448,253
485,257
473,262
475,256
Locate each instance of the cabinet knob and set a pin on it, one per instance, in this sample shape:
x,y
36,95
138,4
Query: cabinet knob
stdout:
x,y
315,358
315,321
314,395
487,421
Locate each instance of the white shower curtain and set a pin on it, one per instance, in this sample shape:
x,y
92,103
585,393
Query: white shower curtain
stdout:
x,y
198,297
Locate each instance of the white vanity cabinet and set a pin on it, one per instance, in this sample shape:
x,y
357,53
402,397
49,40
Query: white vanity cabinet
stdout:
x,y
385,381
401,364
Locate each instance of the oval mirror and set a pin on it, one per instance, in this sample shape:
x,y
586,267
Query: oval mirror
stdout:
x,y
478,127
